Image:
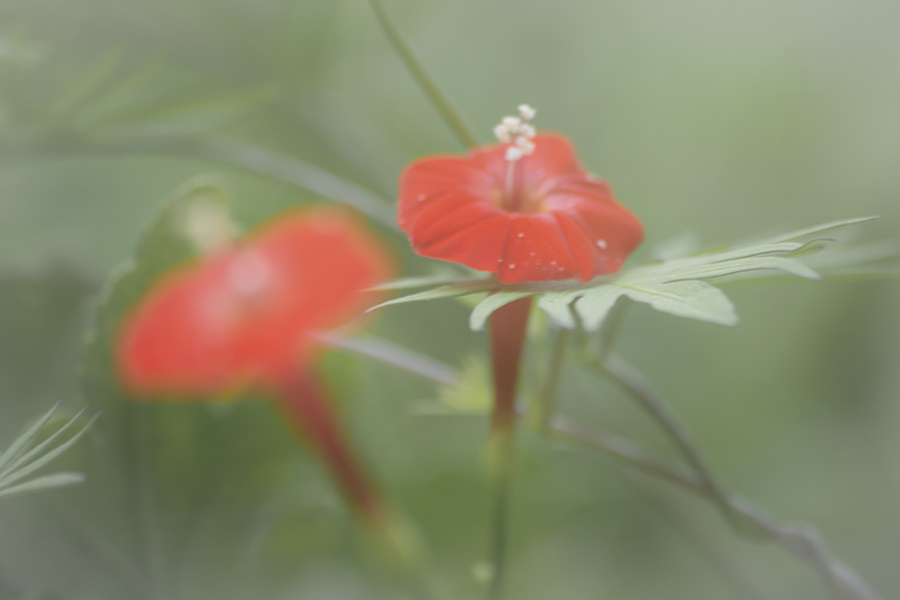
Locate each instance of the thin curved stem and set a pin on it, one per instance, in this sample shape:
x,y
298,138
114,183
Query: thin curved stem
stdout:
x,y
638,388
237,153
508,326
421,77
547,398
801,540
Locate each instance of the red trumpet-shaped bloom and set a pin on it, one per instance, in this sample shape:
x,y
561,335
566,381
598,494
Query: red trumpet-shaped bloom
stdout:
x,y
246,315
246,318
537,217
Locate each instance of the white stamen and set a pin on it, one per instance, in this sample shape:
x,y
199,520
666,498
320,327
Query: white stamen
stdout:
x,y
527,112
512,124
517,133
502,133
525,145
514,153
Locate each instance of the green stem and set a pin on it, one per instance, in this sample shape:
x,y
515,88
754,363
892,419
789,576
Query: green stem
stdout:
x,y
612,326
801,540
424,81
508,326
632,382
547,400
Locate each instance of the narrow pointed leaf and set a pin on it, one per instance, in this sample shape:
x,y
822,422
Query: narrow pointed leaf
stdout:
x,y
809,231
13,476
594,306
790,266
478,318
40,447
445,291
690,299
744,252
416,282
25,438
558,306
42,483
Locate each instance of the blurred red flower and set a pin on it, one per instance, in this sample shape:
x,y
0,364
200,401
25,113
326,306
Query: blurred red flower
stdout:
x,y
245,318
247,315
528,216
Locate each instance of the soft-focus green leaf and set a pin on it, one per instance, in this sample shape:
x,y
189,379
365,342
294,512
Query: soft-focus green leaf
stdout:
x,y
811,231
789,266
43,483
40,447
470,394
417,282
444,291
12,476
558,306
690,299
486,307
19,444
672,286
594,304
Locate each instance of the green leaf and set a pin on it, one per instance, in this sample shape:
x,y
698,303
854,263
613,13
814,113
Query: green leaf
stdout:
x,y
558,306
19,444
470,394
40,447
461,288
45,482
417,282
689,299
675,286
811,231
15,475
484,309
594,304
789,266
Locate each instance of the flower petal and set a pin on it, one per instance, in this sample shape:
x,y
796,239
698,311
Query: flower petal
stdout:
x,y
246,315
535,251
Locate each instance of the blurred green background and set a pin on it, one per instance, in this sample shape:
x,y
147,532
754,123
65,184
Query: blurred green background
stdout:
x,y
724,119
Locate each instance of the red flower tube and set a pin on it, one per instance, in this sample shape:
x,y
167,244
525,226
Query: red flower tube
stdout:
x,y
245,318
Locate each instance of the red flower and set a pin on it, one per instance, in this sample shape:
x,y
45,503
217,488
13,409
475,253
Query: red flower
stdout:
x,y
537,217
247,315
245,318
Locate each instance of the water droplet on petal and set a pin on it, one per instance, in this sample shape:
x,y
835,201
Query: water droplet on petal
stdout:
x,y
512,265
421,197
602,244
520,234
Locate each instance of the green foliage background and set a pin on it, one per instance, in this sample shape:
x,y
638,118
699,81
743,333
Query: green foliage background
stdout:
x,y
722,119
